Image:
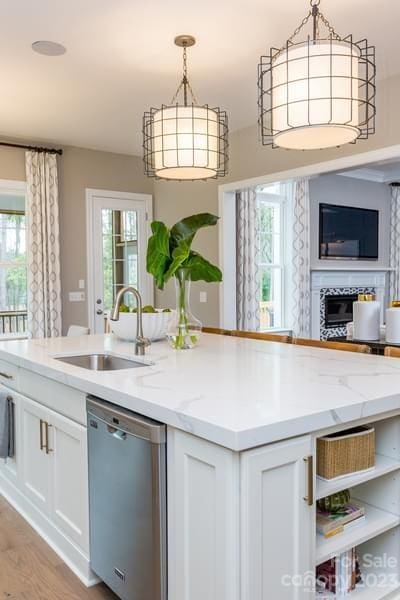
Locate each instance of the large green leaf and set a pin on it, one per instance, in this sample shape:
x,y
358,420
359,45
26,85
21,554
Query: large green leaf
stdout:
x,y
188,227
201,269
158,256
179,256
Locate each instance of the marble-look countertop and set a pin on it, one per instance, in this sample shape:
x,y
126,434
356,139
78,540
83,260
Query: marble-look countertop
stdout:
x,y
235,392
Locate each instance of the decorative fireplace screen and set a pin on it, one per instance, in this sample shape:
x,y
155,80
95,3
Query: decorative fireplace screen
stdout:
x,y
339,310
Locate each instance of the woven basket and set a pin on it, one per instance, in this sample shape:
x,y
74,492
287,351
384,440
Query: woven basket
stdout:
x,y
346,452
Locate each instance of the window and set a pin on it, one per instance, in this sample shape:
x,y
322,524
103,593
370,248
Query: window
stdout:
x,y
13,271
271,259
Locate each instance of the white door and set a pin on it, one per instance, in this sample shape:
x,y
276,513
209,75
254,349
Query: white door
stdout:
x,y
118,230
277,522
69,478
35,471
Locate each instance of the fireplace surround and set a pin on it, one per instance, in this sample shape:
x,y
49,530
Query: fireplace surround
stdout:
x,y
332,294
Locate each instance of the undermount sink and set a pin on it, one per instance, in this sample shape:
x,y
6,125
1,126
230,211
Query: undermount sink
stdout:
x,y
100,362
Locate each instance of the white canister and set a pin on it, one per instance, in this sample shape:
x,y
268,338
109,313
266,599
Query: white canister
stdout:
x,y
393,323
366,318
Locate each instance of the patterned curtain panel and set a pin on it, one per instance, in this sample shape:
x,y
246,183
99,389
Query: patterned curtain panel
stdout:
x,y
247,260
394,283
44,286
301,324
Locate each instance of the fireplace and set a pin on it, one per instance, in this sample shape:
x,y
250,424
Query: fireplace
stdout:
x,y
339,310
333,292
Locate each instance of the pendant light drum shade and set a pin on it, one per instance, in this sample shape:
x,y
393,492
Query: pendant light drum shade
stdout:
x,y
185,142
318,92
315,95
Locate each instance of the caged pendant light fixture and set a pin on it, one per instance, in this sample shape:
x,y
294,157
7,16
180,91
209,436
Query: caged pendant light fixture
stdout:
x,y
318,92
185,140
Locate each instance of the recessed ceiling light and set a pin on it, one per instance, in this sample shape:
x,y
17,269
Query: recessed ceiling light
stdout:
x,y
48,48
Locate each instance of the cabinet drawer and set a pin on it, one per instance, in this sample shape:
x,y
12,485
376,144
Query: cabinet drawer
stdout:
x,y
57,396
8,375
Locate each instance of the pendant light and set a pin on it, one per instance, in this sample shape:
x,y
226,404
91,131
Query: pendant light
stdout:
x,y
185,141
318,92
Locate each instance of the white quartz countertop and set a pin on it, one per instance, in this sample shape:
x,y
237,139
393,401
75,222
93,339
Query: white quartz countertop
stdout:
x,y
235,392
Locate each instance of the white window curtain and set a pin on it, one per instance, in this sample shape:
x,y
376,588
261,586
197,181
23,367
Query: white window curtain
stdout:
x,y
394,261
301,301
247,260
43,248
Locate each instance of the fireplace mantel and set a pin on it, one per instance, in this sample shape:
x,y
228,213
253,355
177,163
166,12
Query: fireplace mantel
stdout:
x,y
345,277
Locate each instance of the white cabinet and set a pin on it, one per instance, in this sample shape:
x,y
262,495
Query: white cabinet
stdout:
x,y
240,524
35,471
54,468
277,522
69,478
203,518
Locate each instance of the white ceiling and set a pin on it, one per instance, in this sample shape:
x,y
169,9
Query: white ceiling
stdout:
x,y
120,60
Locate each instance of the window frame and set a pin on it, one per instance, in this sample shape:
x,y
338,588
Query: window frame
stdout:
x,y
15,188
281,200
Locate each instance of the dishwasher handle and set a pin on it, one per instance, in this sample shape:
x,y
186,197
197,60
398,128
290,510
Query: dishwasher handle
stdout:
x,y
120,421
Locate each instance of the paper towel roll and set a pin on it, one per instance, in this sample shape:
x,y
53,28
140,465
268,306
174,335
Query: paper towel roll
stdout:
x,y
393,325
366,318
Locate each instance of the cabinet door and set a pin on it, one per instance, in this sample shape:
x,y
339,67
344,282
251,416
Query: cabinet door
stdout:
x,y
69,478
35,472
203,516
276,522
9,466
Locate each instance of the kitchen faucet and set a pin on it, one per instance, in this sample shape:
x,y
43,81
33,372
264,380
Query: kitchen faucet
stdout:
x,y
140,342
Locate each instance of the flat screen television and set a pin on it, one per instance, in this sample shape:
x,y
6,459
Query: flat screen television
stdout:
x,y
348,233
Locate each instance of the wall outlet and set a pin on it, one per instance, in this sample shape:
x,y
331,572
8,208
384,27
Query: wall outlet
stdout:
x,y
203,296
76,296
81,284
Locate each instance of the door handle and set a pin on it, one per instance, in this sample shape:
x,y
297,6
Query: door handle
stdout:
x,y
99,311
46,428
42,444
6,375
309,460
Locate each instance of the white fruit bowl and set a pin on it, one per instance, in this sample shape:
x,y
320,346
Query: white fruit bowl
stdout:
x,y
154,325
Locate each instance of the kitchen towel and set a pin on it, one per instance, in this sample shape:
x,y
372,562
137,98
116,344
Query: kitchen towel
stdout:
x,y
6,426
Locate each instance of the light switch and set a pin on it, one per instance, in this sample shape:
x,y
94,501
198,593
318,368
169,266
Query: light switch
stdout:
x,y
203,296
76,296
81,284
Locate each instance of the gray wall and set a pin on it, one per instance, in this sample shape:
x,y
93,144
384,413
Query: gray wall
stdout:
x,y
345,191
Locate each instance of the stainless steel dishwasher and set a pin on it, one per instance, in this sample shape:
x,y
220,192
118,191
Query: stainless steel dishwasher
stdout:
x,y
127,498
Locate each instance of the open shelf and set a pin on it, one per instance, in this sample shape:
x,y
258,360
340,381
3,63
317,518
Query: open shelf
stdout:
x,y
376,522
362,593
383,465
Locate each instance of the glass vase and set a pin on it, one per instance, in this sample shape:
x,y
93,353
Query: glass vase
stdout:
x,y
184,329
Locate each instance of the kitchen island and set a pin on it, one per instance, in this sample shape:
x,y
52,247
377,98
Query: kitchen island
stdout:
x,y
242,417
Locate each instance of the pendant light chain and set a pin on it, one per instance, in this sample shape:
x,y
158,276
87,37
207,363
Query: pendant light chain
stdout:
x,y
318,16
184,84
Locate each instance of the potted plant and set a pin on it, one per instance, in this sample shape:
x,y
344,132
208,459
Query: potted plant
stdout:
x,y
170,254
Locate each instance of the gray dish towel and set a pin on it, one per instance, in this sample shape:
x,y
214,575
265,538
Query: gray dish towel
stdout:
x,y
6,426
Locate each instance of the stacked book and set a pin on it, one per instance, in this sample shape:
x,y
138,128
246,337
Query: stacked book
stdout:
x,y
338,576
330,523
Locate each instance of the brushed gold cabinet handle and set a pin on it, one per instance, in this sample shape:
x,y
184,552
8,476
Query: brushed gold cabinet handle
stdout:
x,y
42,444
310,480
48,450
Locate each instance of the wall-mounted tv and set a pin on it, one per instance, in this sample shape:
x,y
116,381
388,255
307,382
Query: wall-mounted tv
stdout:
x,y
348,233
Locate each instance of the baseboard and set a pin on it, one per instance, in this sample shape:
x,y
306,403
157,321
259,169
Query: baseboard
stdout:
x,y
73,556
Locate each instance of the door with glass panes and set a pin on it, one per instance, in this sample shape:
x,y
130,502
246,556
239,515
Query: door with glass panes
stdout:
x,y
119,226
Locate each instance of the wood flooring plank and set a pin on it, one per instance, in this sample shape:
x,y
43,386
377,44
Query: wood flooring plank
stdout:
x,y
31,570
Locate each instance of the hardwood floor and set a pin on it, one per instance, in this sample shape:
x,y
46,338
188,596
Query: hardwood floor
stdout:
x,y
30,570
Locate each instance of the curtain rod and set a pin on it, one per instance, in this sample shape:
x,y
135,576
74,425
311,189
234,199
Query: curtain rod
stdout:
x,y
34,148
